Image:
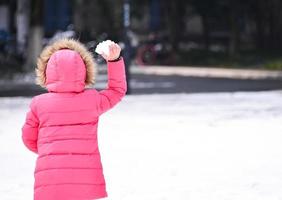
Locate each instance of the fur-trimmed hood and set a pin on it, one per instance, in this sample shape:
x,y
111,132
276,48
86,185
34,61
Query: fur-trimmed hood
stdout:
x,y
65,66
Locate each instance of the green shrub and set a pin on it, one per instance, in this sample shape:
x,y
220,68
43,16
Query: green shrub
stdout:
x,y
275,64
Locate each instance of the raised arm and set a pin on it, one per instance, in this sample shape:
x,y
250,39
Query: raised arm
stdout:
x,y
30,129
116,80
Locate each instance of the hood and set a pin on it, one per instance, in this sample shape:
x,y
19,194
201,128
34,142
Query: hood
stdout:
x,y
65,72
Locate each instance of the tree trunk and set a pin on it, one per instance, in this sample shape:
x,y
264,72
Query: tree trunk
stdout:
x,y
259,20
206,31
35,35
175,11
234,29
22,21
34,47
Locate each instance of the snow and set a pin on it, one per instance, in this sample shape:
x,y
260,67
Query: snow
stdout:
x,y
220,146
104,47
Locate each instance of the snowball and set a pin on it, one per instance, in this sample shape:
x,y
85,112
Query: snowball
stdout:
x,y
103,47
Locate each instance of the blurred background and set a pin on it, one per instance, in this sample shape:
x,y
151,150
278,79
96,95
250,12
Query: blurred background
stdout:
x,y
192,32
173,35
245,32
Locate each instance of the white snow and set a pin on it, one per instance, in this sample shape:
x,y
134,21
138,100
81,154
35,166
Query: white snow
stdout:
x,y
220,146
104,47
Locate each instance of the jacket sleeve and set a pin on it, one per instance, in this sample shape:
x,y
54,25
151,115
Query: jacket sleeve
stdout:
x,y
116,86
30,129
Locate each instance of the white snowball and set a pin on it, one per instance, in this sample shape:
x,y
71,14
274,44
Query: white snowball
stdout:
x,y
103,47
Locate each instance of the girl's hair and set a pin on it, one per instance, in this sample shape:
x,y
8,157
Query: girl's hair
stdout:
x,y
65,44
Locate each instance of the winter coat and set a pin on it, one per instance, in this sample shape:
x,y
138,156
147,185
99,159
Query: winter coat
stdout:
x,y
61,127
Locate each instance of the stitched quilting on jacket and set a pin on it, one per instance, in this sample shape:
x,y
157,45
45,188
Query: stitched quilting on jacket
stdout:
x,y
61,127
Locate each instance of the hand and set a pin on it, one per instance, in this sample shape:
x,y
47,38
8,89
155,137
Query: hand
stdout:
x,y
114,52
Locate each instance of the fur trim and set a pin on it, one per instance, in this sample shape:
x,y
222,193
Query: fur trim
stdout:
x,y
65,44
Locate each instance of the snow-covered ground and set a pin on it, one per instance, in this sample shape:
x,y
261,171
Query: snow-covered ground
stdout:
x,y
220,146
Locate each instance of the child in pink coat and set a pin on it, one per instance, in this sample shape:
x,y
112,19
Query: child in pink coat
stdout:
x,y
61,125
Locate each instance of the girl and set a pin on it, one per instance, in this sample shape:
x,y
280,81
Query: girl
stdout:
x,y
61,125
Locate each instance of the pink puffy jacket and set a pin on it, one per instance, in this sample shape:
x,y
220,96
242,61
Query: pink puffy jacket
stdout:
x,y
61,127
